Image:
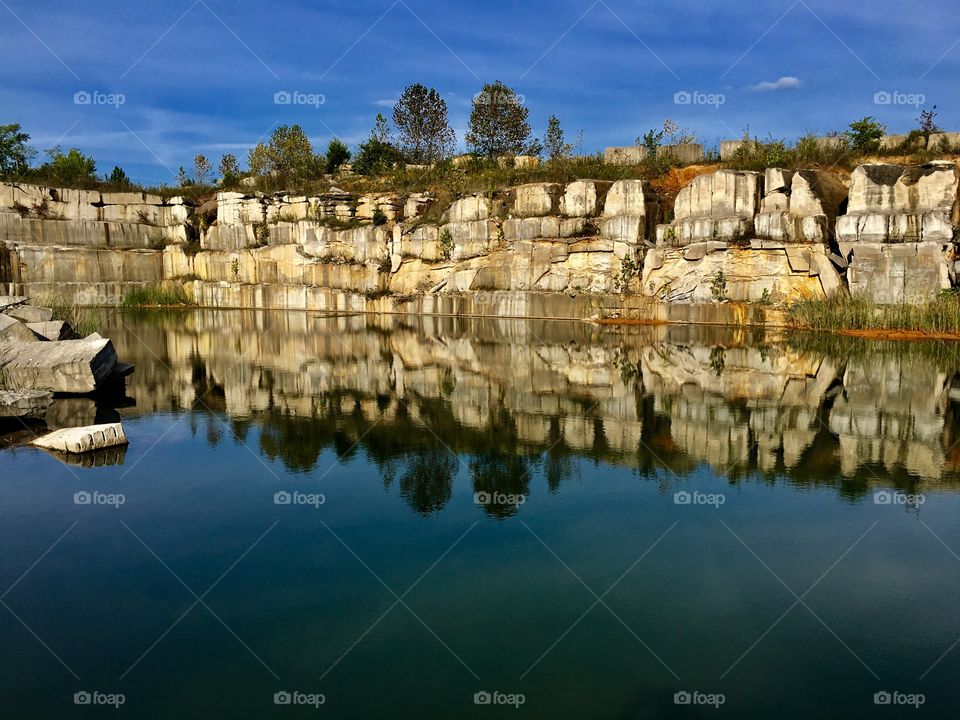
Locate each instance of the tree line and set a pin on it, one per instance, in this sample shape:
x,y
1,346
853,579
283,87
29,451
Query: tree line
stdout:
x,y
420,134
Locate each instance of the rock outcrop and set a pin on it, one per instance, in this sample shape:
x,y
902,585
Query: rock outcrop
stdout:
x,y
717,206
69,366
799,207
734,236
897,234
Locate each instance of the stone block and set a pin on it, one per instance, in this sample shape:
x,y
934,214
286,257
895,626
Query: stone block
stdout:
x,y
536,200
84,439
626,197
70,366
628,155
30,313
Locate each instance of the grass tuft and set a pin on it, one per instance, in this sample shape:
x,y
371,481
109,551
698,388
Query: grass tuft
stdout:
x,y
155,296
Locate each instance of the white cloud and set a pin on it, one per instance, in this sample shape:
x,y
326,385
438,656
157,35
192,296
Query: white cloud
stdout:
x,y
386,102
785,83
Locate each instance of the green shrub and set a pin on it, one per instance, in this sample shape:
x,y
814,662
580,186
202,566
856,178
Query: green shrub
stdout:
x,y
155,296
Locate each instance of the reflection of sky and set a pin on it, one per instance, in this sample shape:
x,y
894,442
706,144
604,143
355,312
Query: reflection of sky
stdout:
x,y
201,77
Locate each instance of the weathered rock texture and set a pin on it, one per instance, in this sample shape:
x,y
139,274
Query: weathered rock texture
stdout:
x,y
69,366
734,235
715,206
800,207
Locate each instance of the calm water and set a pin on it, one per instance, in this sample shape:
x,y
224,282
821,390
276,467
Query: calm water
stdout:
x,y
592,519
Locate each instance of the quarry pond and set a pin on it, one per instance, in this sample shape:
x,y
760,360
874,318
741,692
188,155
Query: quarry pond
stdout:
x,y
460,517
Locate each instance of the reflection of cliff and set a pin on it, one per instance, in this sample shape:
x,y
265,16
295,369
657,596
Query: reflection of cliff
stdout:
x,y
514,399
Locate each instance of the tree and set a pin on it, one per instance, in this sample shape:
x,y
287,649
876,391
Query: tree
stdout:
x,y
420,117
554,142
377,155
15,156
498,122
71,169
202,170
864,134
118,178
337,155
928,122
381,130
229,169
288,156
651,140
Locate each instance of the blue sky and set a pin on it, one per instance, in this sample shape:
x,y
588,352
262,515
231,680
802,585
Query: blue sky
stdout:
x,y
201,75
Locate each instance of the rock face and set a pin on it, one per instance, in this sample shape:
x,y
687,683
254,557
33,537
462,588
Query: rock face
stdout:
x,y
83,439
384,251
712,272
717,206
24,403
800,207
901,273
898,231
893,203
536,200
70,366
584,198
13,329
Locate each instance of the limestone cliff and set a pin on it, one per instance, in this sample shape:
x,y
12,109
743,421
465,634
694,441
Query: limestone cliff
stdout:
x,y
573,250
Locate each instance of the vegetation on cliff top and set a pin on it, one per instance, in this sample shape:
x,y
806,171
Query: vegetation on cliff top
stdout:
x,y
416,154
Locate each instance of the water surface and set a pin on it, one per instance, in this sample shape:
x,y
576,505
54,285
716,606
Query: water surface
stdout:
x,y
594,519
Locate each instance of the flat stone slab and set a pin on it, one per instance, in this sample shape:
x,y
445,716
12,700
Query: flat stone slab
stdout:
x,y
30,313
83,439
68,366
24,403
7,301
13,329
51,330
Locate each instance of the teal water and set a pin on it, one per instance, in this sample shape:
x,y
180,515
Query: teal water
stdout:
x,y
500,513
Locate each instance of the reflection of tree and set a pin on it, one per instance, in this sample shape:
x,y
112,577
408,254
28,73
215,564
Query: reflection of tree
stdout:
x,y
500,473
427,480
557,467
296,441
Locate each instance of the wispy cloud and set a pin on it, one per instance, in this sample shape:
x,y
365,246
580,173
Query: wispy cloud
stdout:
x,y
788,82
385,102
